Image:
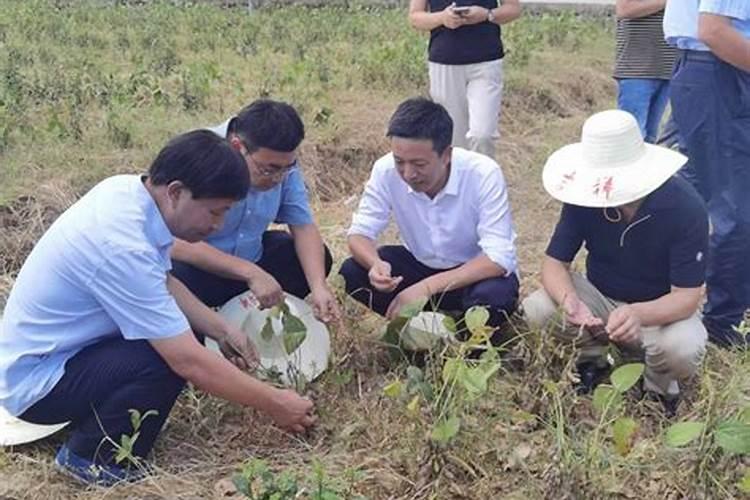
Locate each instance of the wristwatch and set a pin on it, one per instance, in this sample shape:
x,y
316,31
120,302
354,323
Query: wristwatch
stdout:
x,y
490,15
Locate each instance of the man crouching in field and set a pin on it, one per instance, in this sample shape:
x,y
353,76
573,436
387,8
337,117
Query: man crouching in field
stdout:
x,y
451,208
244,253
95,325
646,232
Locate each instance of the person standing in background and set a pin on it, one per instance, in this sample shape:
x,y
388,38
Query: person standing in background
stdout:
x,y
466,63
710,95
643,63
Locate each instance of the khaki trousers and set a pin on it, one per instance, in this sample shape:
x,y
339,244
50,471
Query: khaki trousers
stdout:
x,y
472,94
671,352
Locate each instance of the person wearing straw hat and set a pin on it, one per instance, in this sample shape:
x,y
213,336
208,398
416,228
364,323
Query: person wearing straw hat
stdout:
x,y
646,232
95,326
452,211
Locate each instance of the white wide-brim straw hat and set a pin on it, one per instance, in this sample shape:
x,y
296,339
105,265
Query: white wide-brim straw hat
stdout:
x,y
310,358
611,166
14,431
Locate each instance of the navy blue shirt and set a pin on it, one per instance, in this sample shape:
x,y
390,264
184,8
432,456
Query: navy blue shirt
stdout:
x,y
468,44
664,245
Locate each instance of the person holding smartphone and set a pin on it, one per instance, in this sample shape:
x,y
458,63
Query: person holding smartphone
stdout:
x,y
465,58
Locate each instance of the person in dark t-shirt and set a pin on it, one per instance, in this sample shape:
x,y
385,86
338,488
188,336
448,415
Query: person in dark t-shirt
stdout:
x,y
466,63
646,233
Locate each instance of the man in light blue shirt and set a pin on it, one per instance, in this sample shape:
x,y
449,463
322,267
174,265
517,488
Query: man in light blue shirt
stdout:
x,y
95,327
711,105
244,253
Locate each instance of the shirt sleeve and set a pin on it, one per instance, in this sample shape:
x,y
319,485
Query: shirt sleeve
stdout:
x,y
131,287
495,225
371,217
295,207
737,9
568,236
687,257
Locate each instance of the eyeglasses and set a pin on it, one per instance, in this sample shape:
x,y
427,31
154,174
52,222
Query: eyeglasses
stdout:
x,y
267,170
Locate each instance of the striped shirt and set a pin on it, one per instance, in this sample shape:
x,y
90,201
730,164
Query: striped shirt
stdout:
x,y
641,50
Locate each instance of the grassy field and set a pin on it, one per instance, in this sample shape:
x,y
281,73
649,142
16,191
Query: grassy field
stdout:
x,y
87,91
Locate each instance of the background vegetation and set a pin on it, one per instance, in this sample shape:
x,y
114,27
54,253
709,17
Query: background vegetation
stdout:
x,y
90,89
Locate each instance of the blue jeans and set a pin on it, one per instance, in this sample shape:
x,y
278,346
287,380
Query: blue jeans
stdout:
x,y
645,99
711,105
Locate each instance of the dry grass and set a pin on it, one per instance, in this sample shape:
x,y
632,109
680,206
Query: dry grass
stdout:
x,y
512,443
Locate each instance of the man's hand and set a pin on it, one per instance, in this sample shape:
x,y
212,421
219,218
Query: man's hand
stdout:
x,y
239,349
624,325
380,277
266,289
451,19
407,296
291,412
475,15
578,313
324,304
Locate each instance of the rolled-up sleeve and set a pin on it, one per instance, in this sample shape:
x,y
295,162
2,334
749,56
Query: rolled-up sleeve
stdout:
x,y
371,217
131,286
295,206
737,9
495,226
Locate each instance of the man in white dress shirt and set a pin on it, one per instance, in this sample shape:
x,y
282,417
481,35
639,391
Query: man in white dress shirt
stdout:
x,y
451,208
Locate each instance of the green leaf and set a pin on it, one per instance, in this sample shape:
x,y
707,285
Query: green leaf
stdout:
x,y
733,437
135,418
450,324
745,415
605,397
394,389
292,340
625,377
683,433
414,374
474,381
275,311
266,333
292,324
623,433
412,309
445,430
392,335
476,318
413,406
744,484
452,369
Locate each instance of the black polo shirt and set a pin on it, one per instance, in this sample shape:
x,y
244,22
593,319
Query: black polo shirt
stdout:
x,y
664,245
470,44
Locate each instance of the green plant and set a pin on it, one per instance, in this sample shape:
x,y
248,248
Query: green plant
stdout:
x,y
293,334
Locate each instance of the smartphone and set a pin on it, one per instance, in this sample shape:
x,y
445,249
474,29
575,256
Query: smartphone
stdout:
x,y
461,11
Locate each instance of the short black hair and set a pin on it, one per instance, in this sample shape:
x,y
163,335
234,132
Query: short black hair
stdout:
x,y
205,163
422,119
269,124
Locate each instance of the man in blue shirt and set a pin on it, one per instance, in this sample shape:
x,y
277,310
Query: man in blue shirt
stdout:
x,y
646,235
711,105
95,326
244,254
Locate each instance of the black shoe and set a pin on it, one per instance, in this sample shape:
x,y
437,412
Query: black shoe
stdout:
x,y
590,375
669,402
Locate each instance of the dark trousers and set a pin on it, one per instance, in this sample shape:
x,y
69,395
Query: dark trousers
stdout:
x,y
499,295
711,101
101,383
279,260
